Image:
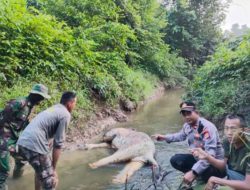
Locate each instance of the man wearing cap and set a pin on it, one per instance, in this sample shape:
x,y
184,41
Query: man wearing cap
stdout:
x,y
200,133
13,119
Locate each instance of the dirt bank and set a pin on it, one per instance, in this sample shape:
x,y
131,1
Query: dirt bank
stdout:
x,y
104,118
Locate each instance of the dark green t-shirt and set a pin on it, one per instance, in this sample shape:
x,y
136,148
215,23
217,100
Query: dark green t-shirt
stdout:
x,y
235,157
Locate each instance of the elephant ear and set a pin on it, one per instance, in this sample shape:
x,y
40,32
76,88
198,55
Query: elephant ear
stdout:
x,y
109,136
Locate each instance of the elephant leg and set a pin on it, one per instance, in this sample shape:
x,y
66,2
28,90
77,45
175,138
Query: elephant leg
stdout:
x,y
128,171
118,156
101,145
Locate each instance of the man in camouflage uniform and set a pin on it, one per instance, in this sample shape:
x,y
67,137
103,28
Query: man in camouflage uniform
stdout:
x,y
13,120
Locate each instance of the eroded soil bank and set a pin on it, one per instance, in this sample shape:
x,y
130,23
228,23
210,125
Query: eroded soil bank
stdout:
x,y
103,119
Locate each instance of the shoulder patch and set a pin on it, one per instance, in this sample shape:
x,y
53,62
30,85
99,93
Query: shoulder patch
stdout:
x,y
206,134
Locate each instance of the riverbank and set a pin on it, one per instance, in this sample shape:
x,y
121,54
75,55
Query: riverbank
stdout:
x,y
103,119
158,115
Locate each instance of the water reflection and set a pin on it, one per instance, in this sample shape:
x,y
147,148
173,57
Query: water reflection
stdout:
x,y
160,116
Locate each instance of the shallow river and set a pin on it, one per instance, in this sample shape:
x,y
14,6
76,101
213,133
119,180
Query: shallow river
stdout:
x,y
159,116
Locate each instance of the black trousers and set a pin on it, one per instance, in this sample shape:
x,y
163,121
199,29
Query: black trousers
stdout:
x,y
185,162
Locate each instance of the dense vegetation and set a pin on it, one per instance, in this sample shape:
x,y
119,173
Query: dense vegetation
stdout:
x,y
194,27
106,50
116,50
222,85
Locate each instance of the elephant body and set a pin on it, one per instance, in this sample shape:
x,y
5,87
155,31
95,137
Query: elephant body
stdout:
x,y
135,147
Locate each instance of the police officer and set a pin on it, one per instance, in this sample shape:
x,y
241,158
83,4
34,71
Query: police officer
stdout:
x,y
13,119
200,133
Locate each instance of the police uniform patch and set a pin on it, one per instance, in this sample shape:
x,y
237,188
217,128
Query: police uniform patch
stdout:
x,y
206,135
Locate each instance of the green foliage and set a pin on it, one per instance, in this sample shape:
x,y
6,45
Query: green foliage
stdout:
x,y
129,34
149,50
193,28
104,86
222,84
137,82
106,50
29,40
22,88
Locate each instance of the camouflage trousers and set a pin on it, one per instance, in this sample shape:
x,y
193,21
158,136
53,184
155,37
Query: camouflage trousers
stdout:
x,y
7,149
42,165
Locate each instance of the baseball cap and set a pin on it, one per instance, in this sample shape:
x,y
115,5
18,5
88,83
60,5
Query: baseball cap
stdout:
x,y
187,108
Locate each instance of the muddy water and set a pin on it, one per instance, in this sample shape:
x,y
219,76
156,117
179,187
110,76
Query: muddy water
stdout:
x,y
159,116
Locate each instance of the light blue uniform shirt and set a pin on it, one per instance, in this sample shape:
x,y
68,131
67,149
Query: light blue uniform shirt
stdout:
x,y
210,142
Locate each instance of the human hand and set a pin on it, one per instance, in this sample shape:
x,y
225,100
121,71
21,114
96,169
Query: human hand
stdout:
x,y
211,183
159,137
189,177
51,142
199,153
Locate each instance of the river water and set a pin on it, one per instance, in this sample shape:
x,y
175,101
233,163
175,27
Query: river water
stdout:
x,y
160,116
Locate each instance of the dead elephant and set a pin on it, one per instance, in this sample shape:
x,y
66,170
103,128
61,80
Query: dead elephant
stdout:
x,y
135,147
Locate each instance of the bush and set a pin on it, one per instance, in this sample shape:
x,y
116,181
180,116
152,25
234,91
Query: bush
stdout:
x,y
222,85
105,51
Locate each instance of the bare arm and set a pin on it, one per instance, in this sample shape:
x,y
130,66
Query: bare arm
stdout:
x,y
159,137
55,156
234,184
175,137
220,164
202,155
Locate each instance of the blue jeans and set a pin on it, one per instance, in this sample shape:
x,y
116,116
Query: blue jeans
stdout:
x,y
233,175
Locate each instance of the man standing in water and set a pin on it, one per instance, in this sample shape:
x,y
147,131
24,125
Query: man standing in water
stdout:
x,y
200,133
13,119
237,157
33,144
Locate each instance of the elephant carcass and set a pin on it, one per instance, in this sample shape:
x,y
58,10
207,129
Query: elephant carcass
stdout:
x,y
135,147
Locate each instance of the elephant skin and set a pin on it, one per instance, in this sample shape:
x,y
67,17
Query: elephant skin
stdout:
x,y
135,147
